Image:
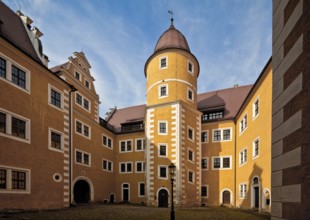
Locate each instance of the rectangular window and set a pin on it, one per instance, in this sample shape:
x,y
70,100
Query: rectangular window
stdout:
x,y
18,128
2,179
2,122
223,162
243,123
18,180
140,167
204,191
163,91
256,148
223,134
190,155
256,107
243,156
77,76
204,163
140,144
86,104
18,77
82,129
82,158
163,62
163,150
141,189
55,98
126,146
190,134
78,99
126,167
163,172
107,142
191,176
190,67
55,140
204,137
207,116
162,127
190,94
107,165
2,68
87,84
243,190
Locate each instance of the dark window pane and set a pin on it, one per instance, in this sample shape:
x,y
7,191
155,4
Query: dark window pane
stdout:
x,y
18,77
18,180
2,68
18,128
56,140
2,179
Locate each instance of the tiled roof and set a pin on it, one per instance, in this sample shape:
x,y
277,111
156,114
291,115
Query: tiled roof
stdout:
x,y
13,30
127,115
229,100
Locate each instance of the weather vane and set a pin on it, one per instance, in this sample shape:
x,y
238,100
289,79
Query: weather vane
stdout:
x,y
171,13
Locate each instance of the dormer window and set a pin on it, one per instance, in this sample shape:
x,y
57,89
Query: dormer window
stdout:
x,y
163,63
207,116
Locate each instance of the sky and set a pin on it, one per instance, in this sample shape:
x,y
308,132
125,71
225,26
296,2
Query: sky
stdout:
x,y
230,38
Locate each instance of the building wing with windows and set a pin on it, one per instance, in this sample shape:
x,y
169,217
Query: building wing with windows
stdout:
x,y
56,150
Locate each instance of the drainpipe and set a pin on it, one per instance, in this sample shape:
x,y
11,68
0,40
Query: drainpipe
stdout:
x,y
73,89
235,168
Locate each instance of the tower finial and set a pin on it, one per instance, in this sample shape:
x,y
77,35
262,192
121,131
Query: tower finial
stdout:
x,y
171,12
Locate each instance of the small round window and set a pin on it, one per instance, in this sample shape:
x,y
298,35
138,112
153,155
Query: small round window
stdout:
x,y
57,177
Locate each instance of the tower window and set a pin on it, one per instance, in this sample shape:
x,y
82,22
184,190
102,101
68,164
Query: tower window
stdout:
x,y
163,63
163,91
190,67
190,94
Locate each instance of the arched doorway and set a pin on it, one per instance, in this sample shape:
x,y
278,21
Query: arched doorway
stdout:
x,y
163,198
112,198
226,197
255,193
125,192
81,192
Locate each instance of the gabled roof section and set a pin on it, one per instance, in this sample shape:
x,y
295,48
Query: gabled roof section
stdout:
x,y
229,100
127,115
13,30
81,56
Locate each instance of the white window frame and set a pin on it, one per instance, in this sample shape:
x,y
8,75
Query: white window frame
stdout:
x,y
83,102
207,163
193,155
126,170
205,142
9,189
126,146
193,133
167,174
50,88
160,59
83,125
80,75
166,146
243,189
254,116
8,79
8,129
188,180
83,153
243,156
108,161
107,138
221,163
143,166
159,91
158,127
207,187
187,95
193,67
222,134
143,144
139,192
242,124
50,130
253,148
